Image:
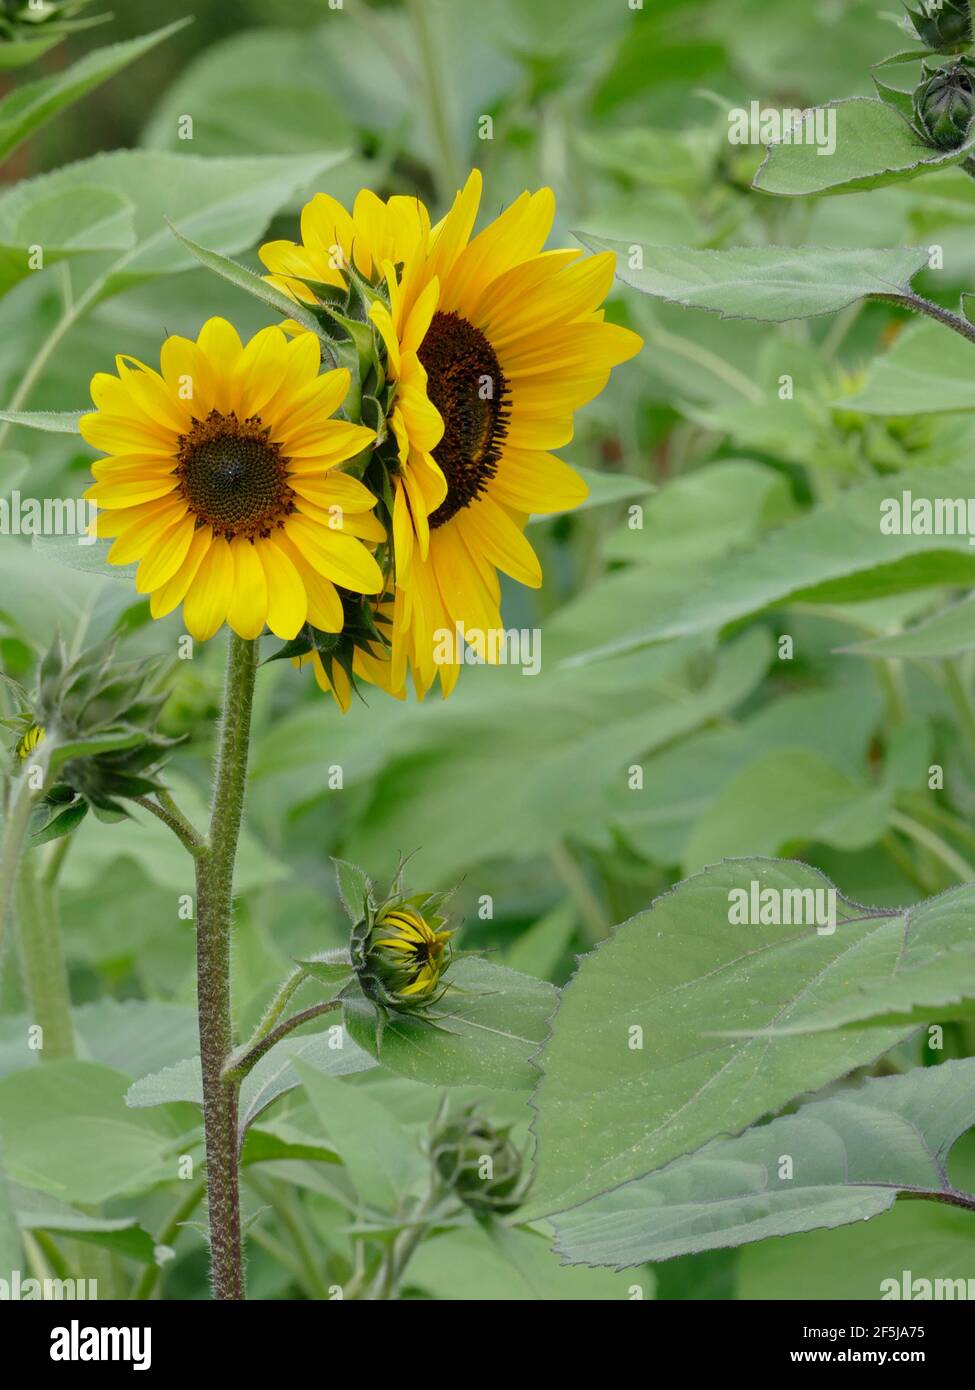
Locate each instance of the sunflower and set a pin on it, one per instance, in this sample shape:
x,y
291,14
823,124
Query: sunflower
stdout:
x,y
375,232
407,954
223,482
492,344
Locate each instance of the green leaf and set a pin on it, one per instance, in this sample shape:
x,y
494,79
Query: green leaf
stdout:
x,y
355,888
578,736
851,1155
244,279
789,796
38,1211
927,371
921,1240
918,965
874,147
835,553
383,1161
65,1130
27,107
279,1141
497,1263
53,421
60,825
333,973
946,634
488,1028
272,1077
224,203
77,553
770,283
609,1111
62,223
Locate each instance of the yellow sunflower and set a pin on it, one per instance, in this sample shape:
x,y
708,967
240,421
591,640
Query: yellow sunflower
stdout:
x,y
330,238
492,344
223,482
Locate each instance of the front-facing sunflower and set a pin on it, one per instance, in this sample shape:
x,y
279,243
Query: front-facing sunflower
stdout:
x,y
492,344
223,483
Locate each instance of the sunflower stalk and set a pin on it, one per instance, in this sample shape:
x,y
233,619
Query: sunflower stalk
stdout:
x,y
43,967
214,883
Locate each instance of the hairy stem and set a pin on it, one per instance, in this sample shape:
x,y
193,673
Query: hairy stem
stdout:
x,y
241,1062
42,962
214,888
165,809
920,305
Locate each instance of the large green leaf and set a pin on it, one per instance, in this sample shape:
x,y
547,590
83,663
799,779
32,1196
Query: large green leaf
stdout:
x,y
836,553
927,370
693,982
561,743
28,106
493,1021
87,218
919,1240
849,1157
38,1211
789,796
383,1161
945,634
65,1130
504,1264
874,146
771,283
225,204
917,964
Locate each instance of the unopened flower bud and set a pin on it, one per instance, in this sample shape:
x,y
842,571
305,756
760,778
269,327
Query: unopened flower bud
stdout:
x,y
944,104
943,25
479,1162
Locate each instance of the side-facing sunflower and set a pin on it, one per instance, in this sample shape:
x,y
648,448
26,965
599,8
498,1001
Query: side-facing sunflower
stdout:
x,y
492,344
223,482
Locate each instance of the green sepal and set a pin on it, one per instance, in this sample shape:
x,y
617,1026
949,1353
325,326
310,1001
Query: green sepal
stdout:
x,y
355,890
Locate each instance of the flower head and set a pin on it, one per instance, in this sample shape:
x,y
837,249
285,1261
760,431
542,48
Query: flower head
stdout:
x,y
404,956
479,1162
490,345
944,25
223,482
944,104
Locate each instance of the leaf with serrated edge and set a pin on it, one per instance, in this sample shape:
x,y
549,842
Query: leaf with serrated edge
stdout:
x,y
607,1112
853,1154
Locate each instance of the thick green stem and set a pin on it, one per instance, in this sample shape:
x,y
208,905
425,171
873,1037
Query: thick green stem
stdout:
x,y
15,826
42,961
214,884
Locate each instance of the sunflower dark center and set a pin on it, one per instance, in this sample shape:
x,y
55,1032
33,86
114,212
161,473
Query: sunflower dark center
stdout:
x,y
466,384
233,476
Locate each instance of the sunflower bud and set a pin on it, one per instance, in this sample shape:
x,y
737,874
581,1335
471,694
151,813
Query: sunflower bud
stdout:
x,y
402,957
944,104
479,1162
98,719
943,25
